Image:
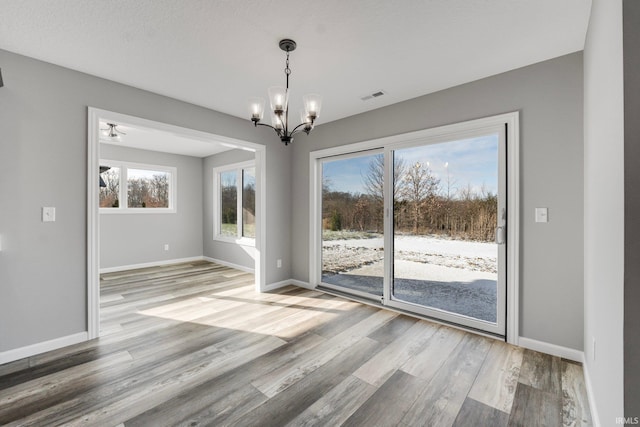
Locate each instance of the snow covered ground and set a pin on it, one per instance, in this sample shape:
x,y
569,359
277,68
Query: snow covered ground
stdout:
x,y
452,275
344,255
425,244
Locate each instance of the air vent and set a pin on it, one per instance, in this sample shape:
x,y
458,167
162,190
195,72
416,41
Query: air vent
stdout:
x,y
376,94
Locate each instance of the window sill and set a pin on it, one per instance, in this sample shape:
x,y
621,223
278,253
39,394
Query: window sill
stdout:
x,y
243,241
111,211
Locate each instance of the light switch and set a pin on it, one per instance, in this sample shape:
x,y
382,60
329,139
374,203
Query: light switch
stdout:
x,y
542,215
48,214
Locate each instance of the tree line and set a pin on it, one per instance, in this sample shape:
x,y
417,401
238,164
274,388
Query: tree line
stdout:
x,y
229,202
422,204
142,192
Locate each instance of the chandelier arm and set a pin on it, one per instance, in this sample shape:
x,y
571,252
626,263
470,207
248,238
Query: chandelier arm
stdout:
x,y
278,132
296,128
262,124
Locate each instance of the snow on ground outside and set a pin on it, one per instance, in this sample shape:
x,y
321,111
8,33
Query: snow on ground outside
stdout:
x,y
345,255
452,275
425,244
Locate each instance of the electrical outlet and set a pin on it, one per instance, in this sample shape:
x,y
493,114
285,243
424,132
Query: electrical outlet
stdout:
x,y
542,215
279,263
48,214
166,247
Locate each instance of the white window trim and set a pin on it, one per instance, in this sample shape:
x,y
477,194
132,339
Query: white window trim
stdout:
x,y
124,167
217,203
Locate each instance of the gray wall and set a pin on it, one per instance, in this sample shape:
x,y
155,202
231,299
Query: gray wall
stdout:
x,y
127,239
224,251
631,43
43,162
549,98
604,208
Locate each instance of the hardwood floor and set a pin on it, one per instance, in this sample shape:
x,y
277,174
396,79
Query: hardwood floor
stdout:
x,y
192,344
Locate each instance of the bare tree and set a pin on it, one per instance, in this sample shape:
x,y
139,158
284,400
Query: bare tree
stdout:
x,y
360,213
450,183
159,191
110,194
147,192
373,180
419,186
137,192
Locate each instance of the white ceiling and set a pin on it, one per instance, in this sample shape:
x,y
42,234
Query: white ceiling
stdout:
x,y
217,54
144,138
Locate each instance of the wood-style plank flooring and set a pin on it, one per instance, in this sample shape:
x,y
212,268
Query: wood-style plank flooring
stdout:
x,y
193,344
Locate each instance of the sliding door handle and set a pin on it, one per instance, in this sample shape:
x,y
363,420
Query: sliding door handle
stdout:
x,y
501,235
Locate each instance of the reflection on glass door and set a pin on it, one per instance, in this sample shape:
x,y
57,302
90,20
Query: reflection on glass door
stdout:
x,y
448,213
353,223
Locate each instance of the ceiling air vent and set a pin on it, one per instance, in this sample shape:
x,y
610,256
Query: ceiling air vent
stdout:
x,y
373,95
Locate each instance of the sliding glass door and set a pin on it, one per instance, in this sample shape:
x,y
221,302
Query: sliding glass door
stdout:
x,y
449,212
418,225
353,223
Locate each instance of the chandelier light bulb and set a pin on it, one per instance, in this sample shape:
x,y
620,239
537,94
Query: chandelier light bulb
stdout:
x,y
312,104
256,109
306,121
278,96
278,122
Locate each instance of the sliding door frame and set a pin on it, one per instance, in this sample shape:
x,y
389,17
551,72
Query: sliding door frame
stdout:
x,y
319,162
499,327
510,121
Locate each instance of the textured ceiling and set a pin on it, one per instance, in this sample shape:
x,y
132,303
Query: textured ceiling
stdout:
x,y
217,54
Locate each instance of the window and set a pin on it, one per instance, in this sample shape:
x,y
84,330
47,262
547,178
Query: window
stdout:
x,y
249,203
136,188
109,186
229,203
235,203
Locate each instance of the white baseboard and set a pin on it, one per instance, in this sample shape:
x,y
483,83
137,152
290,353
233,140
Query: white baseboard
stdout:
x,y
150,264
283,283
277,285
595,418
552,349
229,264
175,261
302,284
41,347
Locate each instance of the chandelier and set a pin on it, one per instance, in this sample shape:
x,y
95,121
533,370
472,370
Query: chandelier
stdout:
x,y
279,99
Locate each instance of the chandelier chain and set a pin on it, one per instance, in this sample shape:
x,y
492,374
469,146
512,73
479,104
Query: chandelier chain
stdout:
x,y
287,70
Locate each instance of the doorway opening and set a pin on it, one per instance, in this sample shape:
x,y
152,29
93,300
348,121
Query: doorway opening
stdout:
x,y
148,179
